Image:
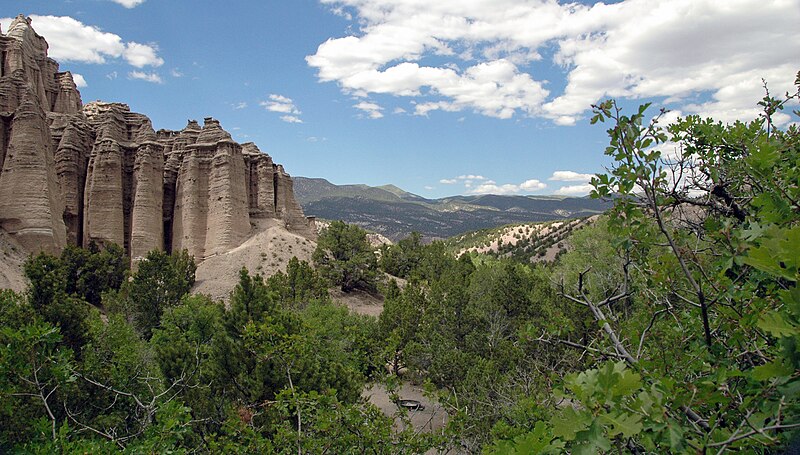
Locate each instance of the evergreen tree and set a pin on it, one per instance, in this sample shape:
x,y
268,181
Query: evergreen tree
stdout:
x,y
345,257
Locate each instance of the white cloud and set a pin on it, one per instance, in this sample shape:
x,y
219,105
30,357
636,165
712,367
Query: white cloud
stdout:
x,y
448,181
574,190
147,77
428,187
488,52
111,76
371,110
175,72
291,119
471,177
129,3
532,185
399,110
570,176
70,40
239,105
528,186
141,55
80,81
283,105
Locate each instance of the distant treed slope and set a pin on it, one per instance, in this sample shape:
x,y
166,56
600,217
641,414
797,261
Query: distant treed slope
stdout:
x,y
525,242
395,213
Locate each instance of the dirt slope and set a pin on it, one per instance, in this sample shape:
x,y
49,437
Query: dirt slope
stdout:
x,y
267,250
12,256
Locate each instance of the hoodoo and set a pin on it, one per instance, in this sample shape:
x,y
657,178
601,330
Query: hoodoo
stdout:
x,y
100,173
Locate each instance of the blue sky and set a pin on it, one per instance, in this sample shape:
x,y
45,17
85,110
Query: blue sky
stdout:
x,y
439,98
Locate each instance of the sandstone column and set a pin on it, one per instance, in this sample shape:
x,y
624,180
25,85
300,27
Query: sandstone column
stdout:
x,y
148,194
103,220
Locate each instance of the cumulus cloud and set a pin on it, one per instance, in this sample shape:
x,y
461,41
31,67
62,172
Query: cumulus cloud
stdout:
x,y
80,81
448,181
570,176
371,110
574,190
487,54
291,119
283,105
147,77
73,41
141,55
129,3
490,187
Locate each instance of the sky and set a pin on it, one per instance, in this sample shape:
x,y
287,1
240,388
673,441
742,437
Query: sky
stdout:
x,y
437,97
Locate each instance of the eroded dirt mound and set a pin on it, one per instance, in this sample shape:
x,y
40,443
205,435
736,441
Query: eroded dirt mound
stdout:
x,y
268,250
12,257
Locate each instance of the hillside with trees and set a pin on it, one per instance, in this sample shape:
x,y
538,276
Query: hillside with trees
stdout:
x,y
670,325
395,213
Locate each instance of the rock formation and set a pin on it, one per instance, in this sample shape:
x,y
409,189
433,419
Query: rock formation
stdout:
x,y
100,173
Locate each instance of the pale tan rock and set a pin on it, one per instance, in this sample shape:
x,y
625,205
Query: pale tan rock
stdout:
x,y
288,209
147,227
31,204
104,217
100,173
30,201
72,139
228,215
191,205
261,181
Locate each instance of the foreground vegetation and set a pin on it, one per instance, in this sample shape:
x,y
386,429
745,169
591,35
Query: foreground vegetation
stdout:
x,y
671,325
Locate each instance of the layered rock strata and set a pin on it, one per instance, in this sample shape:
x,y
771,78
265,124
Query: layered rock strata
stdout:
x,y
100,173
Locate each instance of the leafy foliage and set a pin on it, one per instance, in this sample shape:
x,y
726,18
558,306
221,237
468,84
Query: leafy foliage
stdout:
x,y
345,257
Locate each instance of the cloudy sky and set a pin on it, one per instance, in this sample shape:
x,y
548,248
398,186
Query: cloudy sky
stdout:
x,y
438,97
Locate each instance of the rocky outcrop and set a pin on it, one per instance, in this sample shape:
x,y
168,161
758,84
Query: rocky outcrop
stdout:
x,y
100,173
31,87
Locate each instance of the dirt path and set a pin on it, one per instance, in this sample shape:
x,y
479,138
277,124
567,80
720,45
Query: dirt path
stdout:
x,y
432,418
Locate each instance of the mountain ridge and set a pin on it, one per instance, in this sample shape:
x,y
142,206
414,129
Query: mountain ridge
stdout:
x,y
395,213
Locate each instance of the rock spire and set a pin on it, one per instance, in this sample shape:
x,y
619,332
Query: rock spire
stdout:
x,y
100,173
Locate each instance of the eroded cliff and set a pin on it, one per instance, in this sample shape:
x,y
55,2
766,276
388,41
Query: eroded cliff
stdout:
x,y
100,173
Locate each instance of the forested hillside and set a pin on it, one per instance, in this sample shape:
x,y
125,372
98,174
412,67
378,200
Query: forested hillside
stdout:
x,y
670,325
526,242
395,213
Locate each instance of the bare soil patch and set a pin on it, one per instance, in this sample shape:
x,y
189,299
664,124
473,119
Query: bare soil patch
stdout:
x,y
267,251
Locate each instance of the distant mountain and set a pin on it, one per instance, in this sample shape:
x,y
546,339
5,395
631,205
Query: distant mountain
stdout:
x,y
396,213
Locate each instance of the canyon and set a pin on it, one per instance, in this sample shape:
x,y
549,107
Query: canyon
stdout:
x,y
98,173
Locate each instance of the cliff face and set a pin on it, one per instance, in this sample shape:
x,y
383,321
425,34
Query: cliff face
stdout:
x,y
100,173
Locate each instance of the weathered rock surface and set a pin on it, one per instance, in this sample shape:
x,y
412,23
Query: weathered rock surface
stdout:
x,y
31,204
100,173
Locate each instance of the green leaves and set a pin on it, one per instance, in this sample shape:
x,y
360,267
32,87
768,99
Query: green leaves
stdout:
x,y
625,424
538,441
771,370
778,253
569,422
777,325
608,398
